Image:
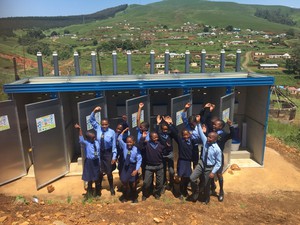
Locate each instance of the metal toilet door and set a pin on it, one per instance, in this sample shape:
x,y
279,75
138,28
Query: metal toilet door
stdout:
x,y
85,109
177,106
12,162
48,141
132,106
226,112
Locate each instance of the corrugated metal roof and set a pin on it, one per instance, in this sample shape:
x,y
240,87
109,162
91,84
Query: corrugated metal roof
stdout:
x,y
130,82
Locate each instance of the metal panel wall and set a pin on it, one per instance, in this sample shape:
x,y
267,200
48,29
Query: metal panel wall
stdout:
x,y
227,111
48,141
131,111
12,162
256,118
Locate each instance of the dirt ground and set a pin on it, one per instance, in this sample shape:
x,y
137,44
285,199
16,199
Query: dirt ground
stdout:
x,y
267,195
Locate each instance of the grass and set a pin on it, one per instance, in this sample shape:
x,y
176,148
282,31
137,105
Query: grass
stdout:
x,y
288,133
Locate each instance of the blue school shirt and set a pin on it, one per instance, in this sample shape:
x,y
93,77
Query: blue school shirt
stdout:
x,y
109,136
135,155
139,135
195,135
89,149
211,152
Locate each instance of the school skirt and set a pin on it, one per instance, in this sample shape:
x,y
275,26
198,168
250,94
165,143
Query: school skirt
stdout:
x,y
91,170
106,166
126,173
184,168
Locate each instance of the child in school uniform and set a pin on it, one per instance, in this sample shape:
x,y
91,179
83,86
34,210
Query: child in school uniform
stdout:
x,y
165,138
191,125
207,167
108,150
153,164
185,148
142,127
120,158
91,169
223,137
129,172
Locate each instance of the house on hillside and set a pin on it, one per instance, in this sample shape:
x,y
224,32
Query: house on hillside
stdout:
x,y
268,66
279,56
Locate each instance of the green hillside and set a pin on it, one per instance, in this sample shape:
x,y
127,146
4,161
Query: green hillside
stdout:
x,y
156,24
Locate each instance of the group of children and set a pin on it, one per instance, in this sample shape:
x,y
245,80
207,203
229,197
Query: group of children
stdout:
x,y
152,154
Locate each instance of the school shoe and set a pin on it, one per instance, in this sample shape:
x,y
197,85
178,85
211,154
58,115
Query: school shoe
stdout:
x,y
157,197
221,196
134,200
112,192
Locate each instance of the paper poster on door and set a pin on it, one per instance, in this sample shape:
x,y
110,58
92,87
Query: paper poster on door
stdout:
x,y
45,123
4,123
97,117
178,118
134,118
226,114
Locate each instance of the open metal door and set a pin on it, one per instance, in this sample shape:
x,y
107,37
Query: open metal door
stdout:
x,y
132,106
48,141
12,162
85,109
226,112
177,106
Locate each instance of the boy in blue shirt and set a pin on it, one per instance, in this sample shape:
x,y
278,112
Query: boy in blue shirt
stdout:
x,y
208,165
91,168
108,150
132,163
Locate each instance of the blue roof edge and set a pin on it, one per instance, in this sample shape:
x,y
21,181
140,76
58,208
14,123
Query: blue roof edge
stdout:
x,y
24,86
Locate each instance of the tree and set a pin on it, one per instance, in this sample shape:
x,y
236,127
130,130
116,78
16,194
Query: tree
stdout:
x,y
206,29
229,28
293,64
53,33
290,32
66,31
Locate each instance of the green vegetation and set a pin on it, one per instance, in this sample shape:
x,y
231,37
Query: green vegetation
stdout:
x,y
276,16
8,25
288,133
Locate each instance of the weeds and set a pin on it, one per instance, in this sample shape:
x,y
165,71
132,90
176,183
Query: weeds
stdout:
x,y
21,200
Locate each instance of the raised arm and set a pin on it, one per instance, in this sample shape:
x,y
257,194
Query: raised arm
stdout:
x,y
183,114
138,119
120,138
93,121
173,129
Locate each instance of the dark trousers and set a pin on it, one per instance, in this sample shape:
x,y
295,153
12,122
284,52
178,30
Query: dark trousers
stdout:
x,y
201,172
150,170
168,162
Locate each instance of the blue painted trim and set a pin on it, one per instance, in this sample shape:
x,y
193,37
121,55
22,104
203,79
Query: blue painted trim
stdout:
x,y
27,87
266,126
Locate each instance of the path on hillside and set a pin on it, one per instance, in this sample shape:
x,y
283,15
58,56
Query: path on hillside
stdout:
x,y
245,63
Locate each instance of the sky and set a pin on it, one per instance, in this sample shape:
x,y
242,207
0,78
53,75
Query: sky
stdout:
x,y
16,8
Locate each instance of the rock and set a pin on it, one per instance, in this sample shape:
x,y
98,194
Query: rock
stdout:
x,y
50,188
157,220
24,223
235,167
120,211
2,219
46,217
58,222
